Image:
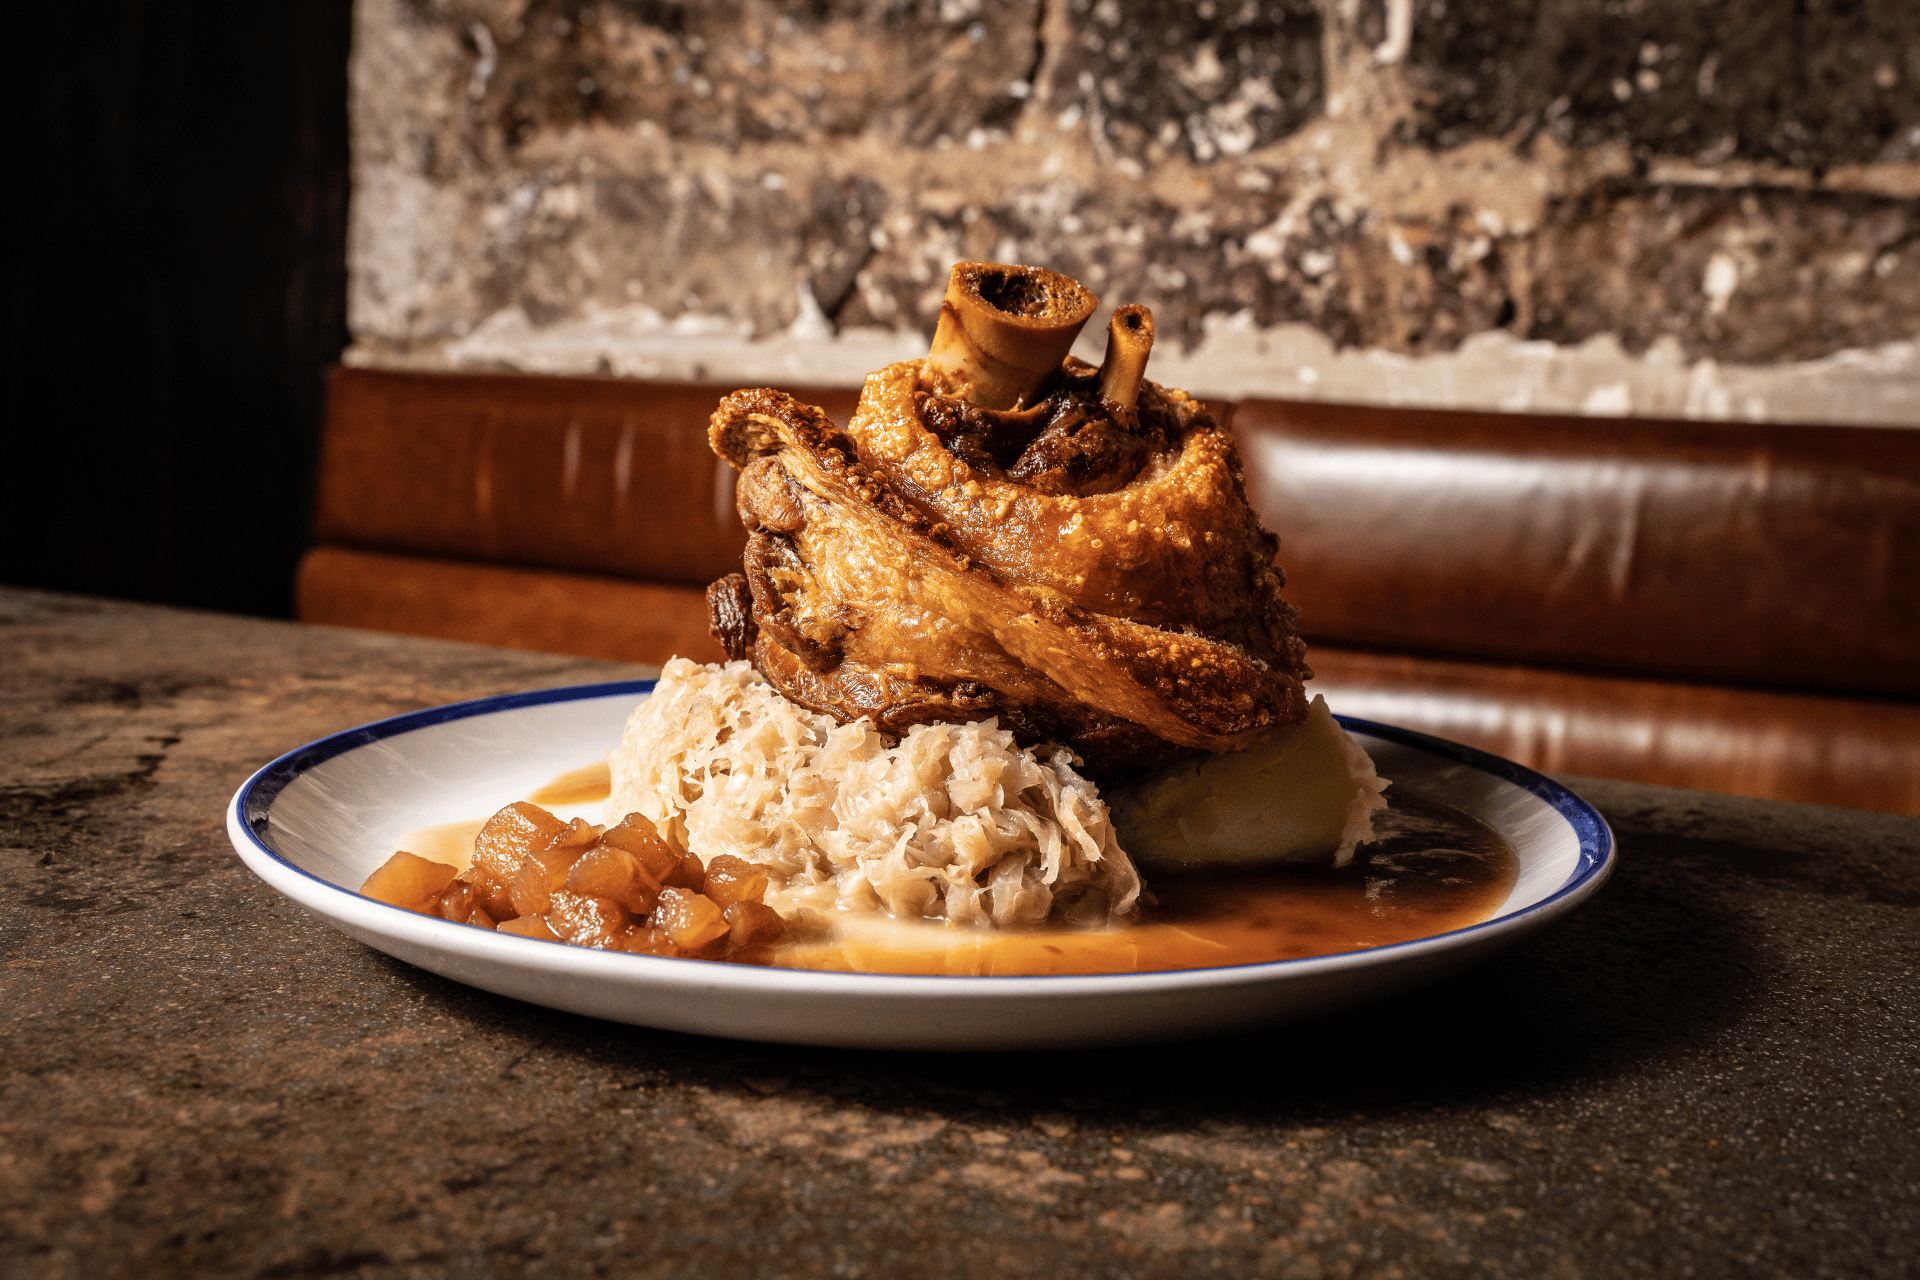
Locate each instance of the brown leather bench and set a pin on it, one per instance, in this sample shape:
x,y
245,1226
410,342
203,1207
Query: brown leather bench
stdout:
x,y
1718,606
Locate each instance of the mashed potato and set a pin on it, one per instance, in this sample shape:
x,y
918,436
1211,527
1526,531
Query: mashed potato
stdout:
x,y
1305,795
956,823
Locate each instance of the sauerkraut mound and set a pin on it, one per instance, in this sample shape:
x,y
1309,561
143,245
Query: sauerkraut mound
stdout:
x,y
955,823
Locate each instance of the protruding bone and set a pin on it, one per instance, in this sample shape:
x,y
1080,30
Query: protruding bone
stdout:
x,y
1129,343
1003,331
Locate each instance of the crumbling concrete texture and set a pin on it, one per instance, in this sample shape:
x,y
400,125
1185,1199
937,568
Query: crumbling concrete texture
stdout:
x,y
1660,206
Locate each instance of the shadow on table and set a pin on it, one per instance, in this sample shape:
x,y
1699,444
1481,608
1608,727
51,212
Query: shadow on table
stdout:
x,y
1657,960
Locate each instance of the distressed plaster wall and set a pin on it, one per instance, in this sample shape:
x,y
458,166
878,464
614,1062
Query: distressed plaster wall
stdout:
x,y
1650,206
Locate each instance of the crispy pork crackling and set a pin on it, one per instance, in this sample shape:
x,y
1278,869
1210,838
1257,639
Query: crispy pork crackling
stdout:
x,y
1003,530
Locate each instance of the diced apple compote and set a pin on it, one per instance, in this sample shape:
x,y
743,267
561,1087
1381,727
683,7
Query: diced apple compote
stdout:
x,y
492,896
650,940
465,903
691,875
510,835
692,920
731,880
753,924
622,888
529,927
635,834
410,881
541,872
608,871
587,921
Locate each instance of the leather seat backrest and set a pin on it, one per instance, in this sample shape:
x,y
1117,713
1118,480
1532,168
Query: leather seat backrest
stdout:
x,y
592,475
1781,555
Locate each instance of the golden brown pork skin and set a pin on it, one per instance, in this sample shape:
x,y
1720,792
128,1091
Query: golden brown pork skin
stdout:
x,y
1085,566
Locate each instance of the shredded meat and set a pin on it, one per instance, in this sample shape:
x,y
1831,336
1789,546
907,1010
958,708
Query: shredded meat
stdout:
x,y
1068,443
730,613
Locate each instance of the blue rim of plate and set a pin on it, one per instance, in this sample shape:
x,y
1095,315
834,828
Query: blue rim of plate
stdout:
x,y
254,802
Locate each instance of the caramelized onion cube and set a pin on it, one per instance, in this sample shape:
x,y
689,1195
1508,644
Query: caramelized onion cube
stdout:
x,y
528,927
731,880
694,921
751,924
586,920
639,837
409,880
608,871
511,835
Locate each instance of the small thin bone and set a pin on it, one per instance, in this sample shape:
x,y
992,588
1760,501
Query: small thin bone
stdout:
x,y
1003,331
1129,343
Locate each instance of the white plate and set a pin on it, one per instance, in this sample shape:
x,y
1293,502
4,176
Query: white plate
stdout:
x,y
316,822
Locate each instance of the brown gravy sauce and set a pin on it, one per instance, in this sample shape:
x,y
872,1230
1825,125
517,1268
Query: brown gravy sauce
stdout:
x,y
1432,869
452,842
576,786
449,842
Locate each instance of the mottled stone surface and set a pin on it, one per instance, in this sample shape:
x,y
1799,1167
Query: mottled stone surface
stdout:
x,y
1811,86
1211,81
745,73
1708,1070
1740,274
1729,194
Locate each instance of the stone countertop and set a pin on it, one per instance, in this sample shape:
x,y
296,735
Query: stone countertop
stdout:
x,y
1709,1070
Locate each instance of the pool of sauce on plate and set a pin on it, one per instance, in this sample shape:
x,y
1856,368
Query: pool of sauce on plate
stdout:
x,y
448,842
1431,870
576,786
452,842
